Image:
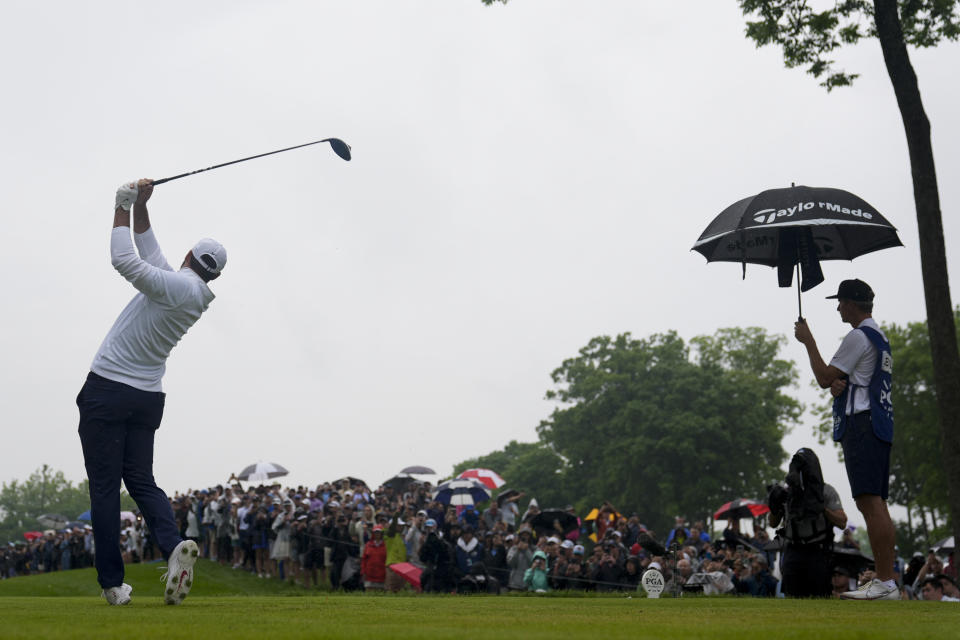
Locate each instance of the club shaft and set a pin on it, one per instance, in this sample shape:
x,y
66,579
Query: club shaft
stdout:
x,y
217,166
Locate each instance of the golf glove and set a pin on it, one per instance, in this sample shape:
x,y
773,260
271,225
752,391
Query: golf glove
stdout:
x,y
127,195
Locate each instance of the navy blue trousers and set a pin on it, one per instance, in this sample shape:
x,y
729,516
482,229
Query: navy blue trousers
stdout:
x,y
117,426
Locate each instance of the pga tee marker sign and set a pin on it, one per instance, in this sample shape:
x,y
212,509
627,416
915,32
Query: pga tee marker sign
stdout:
x,y
652,583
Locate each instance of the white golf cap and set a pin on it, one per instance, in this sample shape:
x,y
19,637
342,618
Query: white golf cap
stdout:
x,y
567,544
210,254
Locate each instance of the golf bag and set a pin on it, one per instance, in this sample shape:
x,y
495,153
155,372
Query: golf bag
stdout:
x,y
801,502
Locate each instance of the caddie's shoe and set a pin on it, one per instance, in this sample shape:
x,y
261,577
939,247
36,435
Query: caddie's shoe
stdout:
x,y
117,595
179,576
873,590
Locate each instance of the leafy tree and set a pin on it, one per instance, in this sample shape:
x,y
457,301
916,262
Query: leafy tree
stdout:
x,y
653,427
45,491
808,38
659,427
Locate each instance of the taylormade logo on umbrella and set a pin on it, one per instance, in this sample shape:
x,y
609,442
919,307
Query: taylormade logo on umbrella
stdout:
x,y
766,216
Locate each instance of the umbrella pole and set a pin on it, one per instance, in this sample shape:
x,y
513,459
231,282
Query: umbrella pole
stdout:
x,y
799,304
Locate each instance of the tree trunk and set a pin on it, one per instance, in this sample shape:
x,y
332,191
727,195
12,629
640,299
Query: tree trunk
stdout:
x,y
926,529
910,526
933,257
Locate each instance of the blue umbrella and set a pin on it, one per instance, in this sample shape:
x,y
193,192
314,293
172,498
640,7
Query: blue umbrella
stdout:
x,y
461,491
85,516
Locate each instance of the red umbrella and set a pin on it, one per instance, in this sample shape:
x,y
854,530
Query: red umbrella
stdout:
x,y
741,508
32,535
408,572
489,478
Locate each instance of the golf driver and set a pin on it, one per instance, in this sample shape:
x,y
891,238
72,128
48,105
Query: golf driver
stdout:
x,y
339,147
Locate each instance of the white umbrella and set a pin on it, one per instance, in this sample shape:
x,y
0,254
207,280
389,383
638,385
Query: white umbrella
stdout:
x,y
261,471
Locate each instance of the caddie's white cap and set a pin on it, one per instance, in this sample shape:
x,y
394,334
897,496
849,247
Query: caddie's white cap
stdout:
x,y
210,254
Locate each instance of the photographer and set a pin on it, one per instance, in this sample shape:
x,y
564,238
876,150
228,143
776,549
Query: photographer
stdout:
x,y
536,577
606,573
809,509
519,558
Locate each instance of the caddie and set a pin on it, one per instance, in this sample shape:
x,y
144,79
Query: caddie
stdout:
x,y
860,378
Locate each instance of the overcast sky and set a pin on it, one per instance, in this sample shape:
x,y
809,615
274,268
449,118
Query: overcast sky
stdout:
x,y
525,177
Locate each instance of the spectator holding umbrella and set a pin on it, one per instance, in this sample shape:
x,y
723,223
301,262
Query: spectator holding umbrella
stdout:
x,y
261,542
507,502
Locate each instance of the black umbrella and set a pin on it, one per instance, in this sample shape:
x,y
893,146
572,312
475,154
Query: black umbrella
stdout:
x,y
400,482
505,494
349,480
426,471
854,560
544,522
796,227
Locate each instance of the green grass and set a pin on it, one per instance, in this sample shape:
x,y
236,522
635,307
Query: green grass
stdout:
x,y
229,604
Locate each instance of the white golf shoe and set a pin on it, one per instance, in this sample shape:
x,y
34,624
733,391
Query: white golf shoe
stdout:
x,y
117,595
179,576
873,590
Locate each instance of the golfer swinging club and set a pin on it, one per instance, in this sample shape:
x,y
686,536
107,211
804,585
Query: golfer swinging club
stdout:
x,y
121,403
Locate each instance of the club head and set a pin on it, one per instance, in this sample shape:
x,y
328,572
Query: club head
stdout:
x,y
340,147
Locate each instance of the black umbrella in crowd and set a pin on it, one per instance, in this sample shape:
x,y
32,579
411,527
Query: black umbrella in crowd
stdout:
x,y
401,482
796,228
419,470
261,471
854,560
545,522
506,494
349,481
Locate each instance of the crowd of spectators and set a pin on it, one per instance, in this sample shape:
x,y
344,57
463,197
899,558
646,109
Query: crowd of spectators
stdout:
x,y
341,535
53,551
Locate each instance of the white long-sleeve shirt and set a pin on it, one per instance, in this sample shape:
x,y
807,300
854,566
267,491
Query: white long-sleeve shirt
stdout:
x,y
136,348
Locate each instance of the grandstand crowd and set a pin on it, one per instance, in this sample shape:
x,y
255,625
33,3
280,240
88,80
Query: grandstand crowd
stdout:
x,y
341,535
